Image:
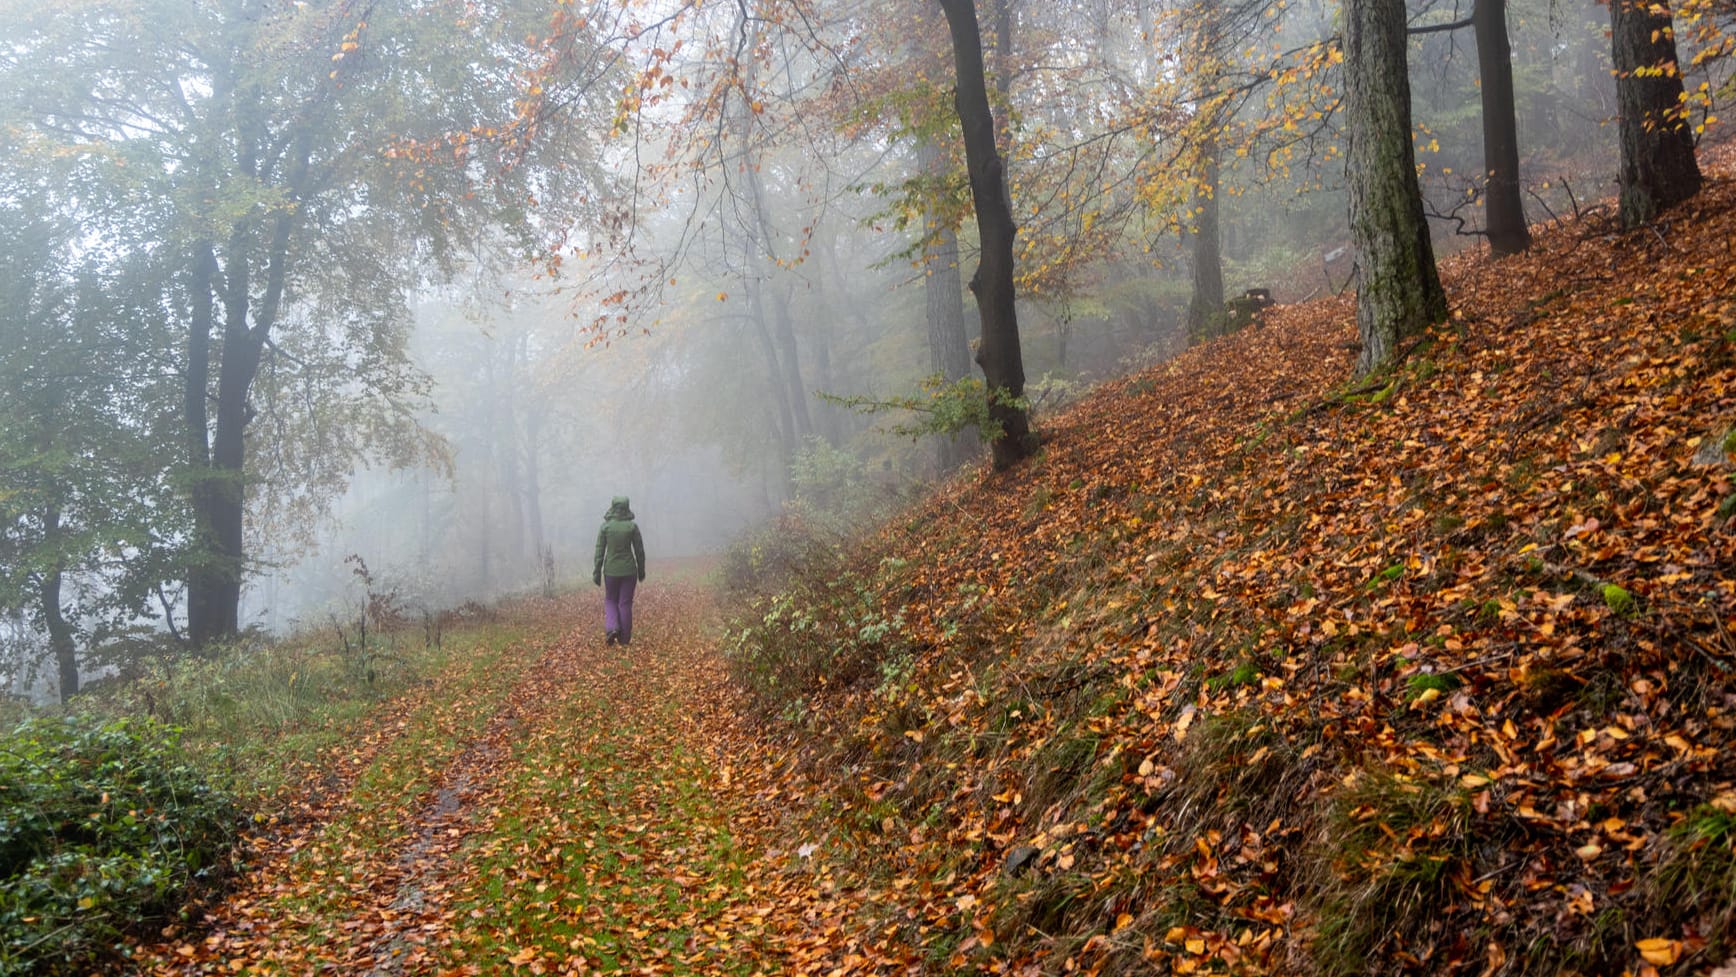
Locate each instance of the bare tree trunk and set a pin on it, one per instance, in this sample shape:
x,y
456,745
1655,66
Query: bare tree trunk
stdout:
x,y
1206,307
789,358
943,290
826,420
786,425
202,578
507,434
531,487
1400,292
1508,233
1658,168
998,353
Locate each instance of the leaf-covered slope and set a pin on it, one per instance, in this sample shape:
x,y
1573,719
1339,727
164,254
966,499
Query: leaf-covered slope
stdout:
x,y
1261,670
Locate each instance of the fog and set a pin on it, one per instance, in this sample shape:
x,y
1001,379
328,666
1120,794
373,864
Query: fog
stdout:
x,y
666,294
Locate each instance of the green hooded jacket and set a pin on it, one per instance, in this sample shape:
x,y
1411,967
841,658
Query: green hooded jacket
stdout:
x,y
620,550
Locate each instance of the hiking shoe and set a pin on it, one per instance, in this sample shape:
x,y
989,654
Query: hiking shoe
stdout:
x,y
610,637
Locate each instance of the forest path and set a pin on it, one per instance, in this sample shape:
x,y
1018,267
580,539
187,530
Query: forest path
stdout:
x,y
559,807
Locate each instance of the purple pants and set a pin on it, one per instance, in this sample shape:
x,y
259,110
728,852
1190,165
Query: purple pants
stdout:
x,y
618,606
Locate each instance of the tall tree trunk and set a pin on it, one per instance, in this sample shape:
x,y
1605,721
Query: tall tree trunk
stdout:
x,y
943,291
998,353
1205,309
202,576
1400,293
225,501
785,421
221,490
508,456
827,420
531,486
1658,168
789,358
1505,211
758,271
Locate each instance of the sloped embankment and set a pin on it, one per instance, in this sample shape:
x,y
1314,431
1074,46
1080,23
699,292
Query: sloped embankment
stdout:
x,y
1260,669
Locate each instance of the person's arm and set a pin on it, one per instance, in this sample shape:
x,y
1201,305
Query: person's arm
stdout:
x,y
639,551
597,564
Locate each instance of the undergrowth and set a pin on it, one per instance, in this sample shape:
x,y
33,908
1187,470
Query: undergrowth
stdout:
x,y
122,808
105,826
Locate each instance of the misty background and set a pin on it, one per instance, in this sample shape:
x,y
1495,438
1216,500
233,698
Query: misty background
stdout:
x,y
730,254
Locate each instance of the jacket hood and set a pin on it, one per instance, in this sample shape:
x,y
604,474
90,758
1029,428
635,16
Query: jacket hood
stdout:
x,y
618,508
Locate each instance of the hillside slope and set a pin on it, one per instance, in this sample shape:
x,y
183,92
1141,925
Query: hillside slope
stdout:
x,y
1259,669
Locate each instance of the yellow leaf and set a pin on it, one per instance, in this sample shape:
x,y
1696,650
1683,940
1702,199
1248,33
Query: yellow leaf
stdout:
x,y
1659,951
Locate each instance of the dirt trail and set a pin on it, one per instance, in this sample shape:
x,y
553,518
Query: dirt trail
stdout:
x,y
585,810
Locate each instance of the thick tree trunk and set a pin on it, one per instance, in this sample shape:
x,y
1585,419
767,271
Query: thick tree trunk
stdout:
x,y
943,292
1400,293
1658,168
1508,233
998,353
222,517
1206,307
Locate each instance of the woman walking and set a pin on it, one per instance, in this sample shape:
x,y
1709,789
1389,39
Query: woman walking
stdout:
x,y
620,566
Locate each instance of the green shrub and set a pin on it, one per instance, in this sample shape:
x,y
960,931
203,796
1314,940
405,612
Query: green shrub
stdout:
x,y
776,555
104,826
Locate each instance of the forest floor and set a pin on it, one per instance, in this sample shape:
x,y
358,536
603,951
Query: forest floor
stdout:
x,y
1254,669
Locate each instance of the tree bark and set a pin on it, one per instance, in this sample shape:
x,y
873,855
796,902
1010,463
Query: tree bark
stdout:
x,y
1400,293
1658,168
202,579
785,420
943,291
1505,211
1205,308
998,353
